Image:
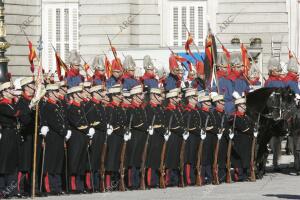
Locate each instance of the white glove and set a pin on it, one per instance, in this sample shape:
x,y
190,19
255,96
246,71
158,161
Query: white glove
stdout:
x,y
255,133
0,136
297,96
236,95
69,133
150,130
127,136
109,130
44,131
91,133
186,135
167,135
219,136
203,136
231,134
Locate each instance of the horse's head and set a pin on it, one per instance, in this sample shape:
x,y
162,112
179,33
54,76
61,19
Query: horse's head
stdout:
x,y
280,104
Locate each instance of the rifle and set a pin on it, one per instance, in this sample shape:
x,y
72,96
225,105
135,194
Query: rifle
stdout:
x,y
215,164
143,168
182,150
43,162
162,183
66,167
122,160
199,156
252,162
102,161
228,162
102,165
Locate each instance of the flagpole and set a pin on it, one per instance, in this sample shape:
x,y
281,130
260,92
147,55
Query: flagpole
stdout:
x,y
40,48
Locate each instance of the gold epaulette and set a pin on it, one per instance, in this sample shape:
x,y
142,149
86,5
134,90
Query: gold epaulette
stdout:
x,y
177,127
245,130
209,128
82,127
157,126
138,125
116,128
95,123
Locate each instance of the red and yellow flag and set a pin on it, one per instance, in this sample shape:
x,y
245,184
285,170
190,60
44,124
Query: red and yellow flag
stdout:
x,y
245,59
60,64
108,69
31,56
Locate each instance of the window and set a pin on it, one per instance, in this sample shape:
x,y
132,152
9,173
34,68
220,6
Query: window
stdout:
x,y
60,29
180,14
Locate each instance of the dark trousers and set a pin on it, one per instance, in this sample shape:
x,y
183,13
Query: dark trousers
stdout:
x,y
8,185
53,183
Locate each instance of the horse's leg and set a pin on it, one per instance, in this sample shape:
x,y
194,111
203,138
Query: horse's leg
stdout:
x,y
296,147
276,147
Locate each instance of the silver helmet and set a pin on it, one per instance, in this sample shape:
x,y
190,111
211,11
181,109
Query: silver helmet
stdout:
x,y
147,63
74,58
98,63
236,59
274,64
292,65
129,63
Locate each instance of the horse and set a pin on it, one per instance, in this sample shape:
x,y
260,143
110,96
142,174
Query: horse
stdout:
x,y
276,107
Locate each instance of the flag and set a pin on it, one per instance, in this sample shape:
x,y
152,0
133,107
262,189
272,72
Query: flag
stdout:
x,y
60,64
108,69
31,56
227,54
245,59
210,56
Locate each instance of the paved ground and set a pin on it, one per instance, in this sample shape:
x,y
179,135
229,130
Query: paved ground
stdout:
x,y
283,185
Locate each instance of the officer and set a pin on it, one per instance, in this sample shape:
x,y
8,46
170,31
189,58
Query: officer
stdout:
x,y
173,80
99,77
74,78
240,82
149,78
117,72
97,119
128,79
243,131
222,131
173,137
82,133
226,86
156,129
274,79
192,121
8,141
208,126
139,134
117,123
27,119
55,132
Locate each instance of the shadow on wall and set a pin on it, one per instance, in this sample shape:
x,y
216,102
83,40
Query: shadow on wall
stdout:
x,y
283,196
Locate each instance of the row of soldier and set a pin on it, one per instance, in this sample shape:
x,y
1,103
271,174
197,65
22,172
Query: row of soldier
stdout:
x,y
135,133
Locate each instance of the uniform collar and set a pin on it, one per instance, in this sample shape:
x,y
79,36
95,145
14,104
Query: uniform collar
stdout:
x,y
189,107
239,114
205,109
51,101
95,100
154,105
135,105
171,107
6,101
75,103
24,94
219,110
